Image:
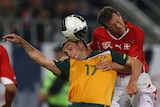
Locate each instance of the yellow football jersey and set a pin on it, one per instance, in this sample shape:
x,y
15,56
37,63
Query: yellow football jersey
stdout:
x,y
87,83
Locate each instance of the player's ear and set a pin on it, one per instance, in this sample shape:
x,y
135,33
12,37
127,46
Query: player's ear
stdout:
x,y
80,43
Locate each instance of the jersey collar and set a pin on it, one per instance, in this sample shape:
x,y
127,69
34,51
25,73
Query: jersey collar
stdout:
x,y
119,37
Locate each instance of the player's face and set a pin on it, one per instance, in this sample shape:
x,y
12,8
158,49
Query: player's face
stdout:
x,y
116,25
72,50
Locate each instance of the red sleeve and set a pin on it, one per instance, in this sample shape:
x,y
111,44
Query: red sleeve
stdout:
x,y
5,66
4,61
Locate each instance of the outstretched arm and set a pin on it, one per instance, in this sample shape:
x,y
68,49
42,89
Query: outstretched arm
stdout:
x,y
33,53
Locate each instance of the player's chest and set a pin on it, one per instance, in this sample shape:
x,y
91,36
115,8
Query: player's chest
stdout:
x,y
87,68
123,44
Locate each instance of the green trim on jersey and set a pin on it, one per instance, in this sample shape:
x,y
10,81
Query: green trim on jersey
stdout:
x,y
64,66
118,57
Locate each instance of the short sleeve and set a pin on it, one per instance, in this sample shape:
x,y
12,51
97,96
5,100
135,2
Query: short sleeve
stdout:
x,y
119,58
64,66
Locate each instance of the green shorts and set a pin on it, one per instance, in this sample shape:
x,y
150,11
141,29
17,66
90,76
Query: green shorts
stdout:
x,y
86,105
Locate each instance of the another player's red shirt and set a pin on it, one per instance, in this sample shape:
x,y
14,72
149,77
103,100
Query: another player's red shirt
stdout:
x,y
131,42
5,67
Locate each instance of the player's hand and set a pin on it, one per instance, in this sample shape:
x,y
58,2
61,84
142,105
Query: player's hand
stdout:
x,y
132,88
63,58
105,65
12,38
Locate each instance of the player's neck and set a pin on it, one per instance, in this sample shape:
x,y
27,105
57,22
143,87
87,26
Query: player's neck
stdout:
x,y
119,35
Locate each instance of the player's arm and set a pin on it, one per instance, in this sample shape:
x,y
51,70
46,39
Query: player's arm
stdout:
x,y
134,64
107,65
33,53
136,67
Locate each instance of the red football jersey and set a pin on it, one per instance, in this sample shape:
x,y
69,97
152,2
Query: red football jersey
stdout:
x,y
130,43
5,67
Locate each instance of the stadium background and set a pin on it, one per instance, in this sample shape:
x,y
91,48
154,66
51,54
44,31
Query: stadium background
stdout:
x,y
39,21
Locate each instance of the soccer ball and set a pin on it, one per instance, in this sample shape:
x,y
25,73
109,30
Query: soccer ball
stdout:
x,y
74,27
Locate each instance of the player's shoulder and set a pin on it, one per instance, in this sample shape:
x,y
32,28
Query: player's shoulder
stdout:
x,y
138,29
134,27
100,30
2,48
3,51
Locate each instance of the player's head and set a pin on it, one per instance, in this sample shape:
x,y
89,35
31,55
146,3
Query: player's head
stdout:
x,y
105,15
75,49
112,20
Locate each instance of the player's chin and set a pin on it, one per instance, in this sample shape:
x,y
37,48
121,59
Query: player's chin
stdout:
x,y
73,57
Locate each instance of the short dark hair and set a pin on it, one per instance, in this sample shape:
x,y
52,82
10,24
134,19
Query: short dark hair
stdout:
x,y
105,15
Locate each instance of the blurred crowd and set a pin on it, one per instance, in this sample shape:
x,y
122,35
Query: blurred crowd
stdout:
x,y
43,10
48,8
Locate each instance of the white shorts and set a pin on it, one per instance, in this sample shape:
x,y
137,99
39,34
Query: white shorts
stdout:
x,y
144,98
5,80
